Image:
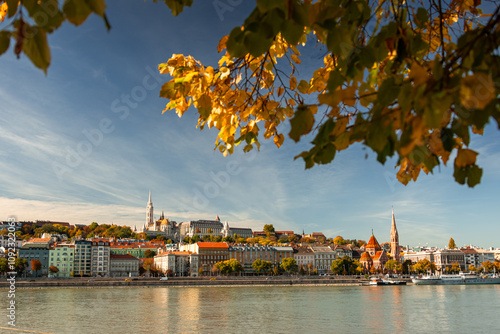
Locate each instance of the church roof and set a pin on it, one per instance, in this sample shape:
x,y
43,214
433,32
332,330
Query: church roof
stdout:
x,y
365,256
378,255
372,243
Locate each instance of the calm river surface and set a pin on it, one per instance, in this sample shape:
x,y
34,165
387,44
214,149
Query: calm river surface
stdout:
x,y
295,309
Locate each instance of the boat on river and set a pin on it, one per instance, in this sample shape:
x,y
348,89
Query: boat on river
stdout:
x,y
382,281
460,279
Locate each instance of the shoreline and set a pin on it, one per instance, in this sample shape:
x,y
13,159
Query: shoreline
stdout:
x,y
181,282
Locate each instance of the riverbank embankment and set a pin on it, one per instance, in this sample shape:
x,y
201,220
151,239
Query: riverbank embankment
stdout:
x,y
180,281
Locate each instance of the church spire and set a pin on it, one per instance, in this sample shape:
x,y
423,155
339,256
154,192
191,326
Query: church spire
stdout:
x,y
149,211
394,240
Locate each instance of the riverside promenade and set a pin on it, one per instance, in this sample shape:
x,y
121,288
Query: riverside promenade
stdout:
x,y
185,281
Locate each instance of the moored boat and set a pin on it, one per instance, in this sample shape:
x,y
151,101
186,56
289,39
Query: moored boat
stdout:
x,y
426,280
460,279
381,281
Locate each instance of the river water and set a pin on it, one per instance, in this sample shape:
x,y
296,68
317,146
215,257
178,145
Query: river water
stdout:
x,y
291,309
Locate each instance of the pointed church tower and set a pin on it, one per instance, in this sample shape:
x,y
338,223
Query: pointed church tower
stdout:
x,y
395,240
149,211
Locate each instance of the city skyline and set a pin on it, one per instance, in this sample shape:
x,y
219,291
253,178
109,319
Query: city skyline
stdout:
x,y
100,98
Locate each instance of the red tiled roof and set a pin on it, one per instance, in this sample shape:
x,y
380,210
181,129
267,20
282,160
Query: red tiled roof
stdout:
x,y
468,251
365,256
373,243
212,245
39,240
122,257
175,252
135,246
62,245
377,255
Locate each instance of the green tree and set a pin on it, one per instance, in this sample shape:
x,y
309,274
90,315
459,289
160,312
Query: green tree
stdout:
x,y
148,265
338,240
301,270
149,254
487,266
196,238
20,264
229,266
228,239
161,238
35,266
406,266
422,266
455,267
235,265
241,240
392,266
400,77
3,265
497,266
261,266
346,265
289,265
293,238
269,229
283,239
358,267
451,244
310,268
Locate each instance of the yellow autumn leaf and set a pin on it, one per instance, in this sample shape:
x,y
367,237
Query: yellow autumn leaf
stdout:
x,y
477,91
435,143
293,83
3,11
296,59
418,74
340,126
280,91
224,73
278,139
331,99
465,157
348,96
222,43
342,141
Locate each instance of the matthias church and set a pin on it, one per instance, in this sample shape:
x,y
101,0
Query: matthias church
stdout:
x,y
178,231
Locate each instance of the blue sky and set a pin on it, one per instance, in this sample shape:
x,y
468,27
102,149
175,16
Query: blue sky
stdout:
x,y
100,97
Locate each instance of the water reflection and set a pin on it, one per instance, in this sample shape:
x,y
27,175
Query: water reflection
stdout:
x,y
260,309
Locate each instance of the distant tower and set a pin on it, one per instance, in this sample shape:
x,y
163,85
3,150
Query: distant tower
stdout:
x,y
395,240
149,212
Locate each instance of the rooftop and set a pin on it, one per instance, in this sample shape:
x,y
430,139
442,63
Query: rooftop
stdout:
x,y
122,257
212,245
